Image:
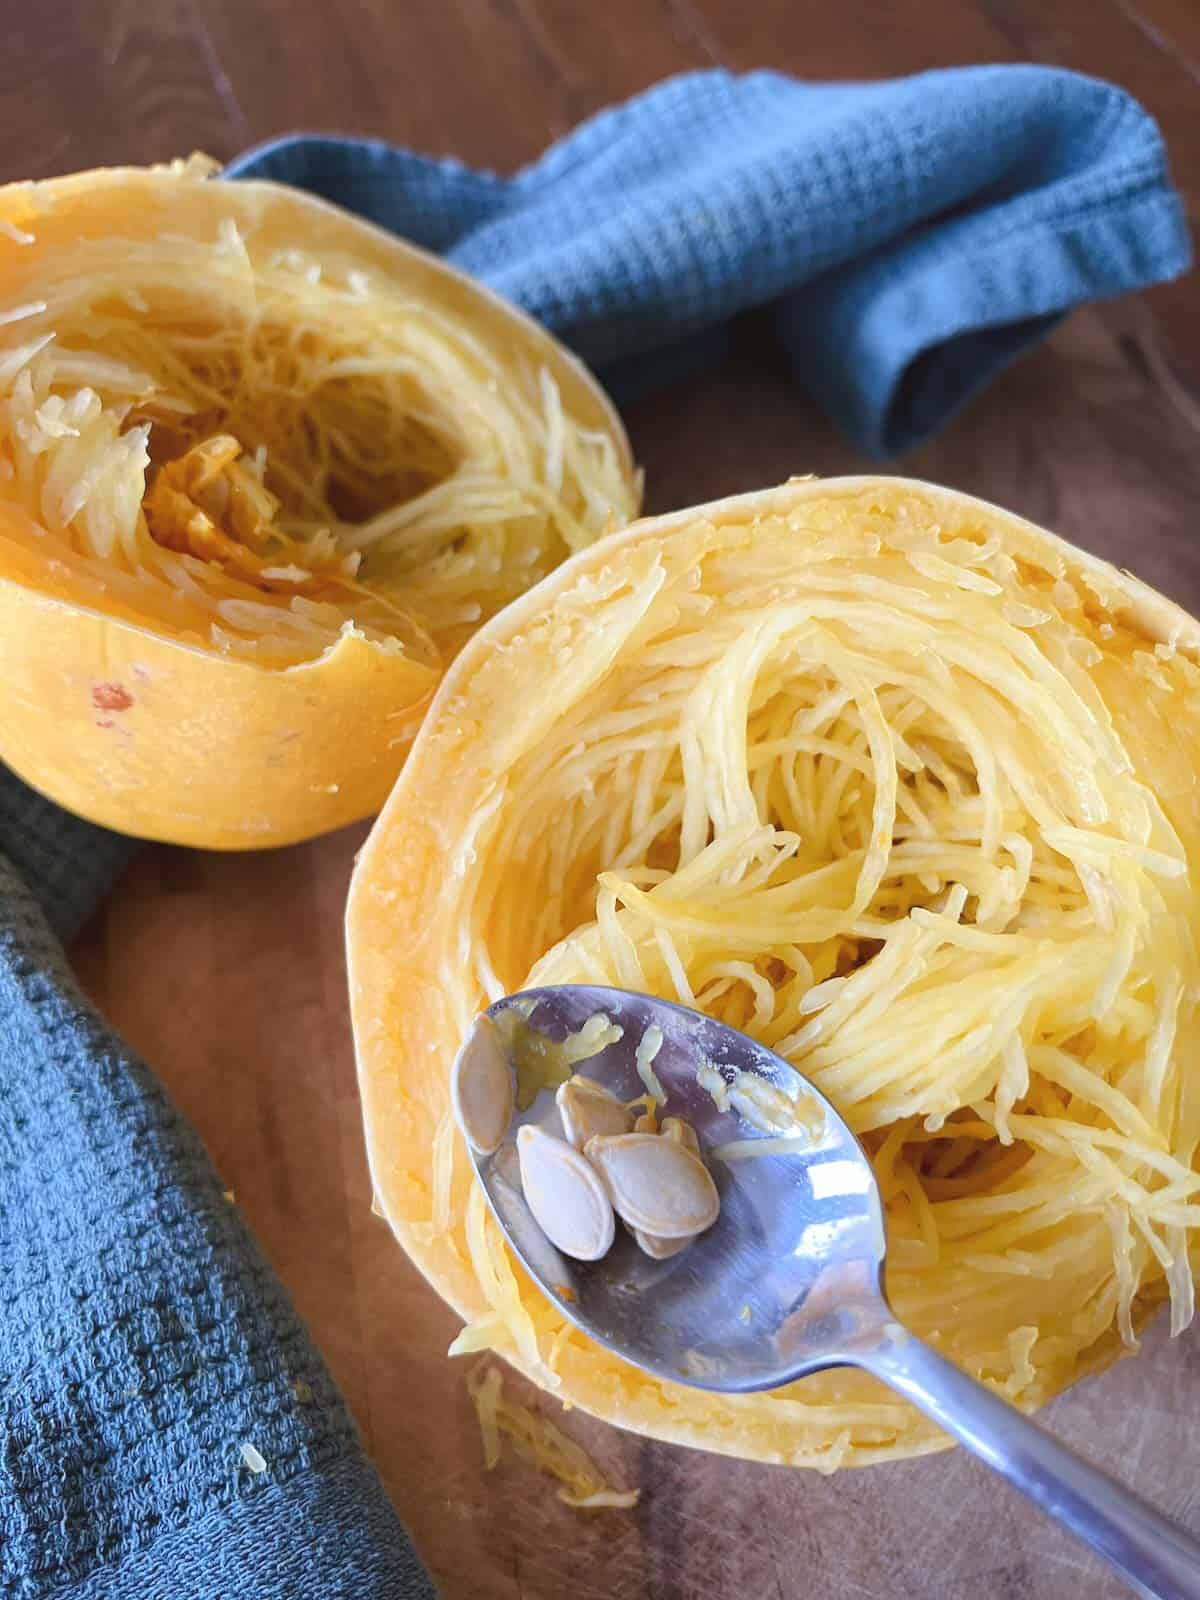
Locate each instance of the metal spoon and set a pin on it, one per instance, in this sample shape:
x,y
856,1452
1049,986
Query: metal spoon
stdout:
x,y
788,1281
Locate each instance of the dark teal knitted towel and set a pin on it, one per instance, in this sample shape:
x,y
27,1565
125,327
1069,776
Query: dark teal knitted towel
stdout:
x,y
146,1348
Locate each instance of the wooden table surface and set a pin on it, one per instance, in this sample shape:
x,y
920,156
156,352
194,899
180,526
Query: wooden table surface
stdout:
x,y
227,972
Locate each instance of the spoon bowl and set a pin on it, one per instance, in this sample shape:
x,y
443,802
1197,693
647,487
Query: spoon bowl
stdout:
x,y
790,1270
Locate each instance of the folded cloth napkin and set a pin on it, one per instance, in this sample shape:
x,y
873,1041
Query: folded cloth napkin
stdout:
x,y
912,237
167,1431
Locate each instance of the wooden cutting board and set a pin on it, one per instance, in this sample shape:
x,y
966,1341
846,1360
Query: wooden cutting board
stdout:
x,y
227,972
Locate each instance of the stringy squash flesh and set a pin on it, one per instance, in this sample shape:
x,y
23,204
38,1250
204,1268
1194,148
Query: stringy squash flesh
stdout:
x,y
252,427
906,788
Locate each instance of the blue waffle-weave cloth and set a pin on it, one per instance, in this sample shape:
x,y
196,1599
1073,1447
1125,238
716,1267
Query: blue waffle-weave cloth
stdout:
x,y
909,238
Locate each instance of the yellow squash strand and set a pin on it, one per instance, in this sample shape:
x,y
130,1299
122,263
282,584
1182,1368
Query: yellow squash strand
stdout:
x,y
289,444
921,815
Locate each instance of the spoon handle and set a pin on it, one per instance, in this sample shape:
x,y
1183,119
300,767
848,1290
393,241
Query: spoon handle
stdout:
x,y
1159,1558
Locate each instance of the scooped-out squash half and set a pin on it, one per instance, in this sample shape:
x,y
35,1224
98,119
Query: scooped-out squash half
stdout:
x,y
905,787
263,469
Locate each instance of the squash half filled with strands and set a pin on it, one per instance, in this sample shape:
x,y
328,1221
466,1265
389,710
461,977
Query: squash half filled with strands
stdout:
x,y
263,470
907,789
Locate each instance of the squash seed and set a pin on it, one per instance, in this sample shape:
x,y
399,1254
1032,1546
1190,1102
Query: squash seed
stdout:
x,y
564,1192
587,1108
656,1185
660,1249
482,1089
682,1132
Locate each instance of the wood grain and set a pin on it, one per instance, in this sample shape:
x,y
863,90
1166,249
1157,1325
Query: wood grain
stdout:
x,y
227,971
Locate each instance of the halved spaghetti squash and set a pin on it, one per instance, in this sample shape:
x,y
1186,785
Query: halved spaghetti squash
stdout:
x,y
906,788
263,470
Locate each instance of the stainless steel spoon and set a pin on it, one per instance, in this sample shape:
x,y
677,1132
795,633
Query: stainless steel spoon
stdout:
x,y
789,1280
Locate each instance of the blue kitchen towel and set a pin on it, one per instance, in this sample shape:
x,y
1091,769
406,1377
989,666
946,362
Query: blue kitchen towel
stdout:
x,y
912,237
167,1431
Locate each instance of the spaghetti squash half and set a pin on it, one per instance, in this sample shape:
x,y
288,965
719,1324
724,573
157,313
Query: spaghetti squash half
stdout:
x,y
904,787
263,469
